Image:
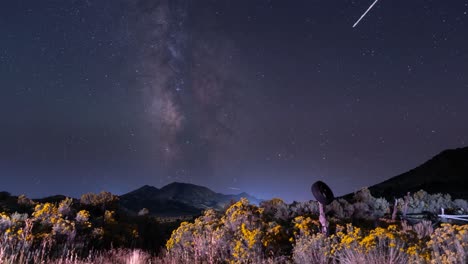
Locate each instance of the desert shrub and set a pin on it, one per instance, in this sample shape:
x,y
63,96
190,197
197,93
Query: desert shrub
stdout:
x,y
449,244
310,246
368,207
243,223
5,222
303,208
314,248
422,201
242,232
103,200
64,207
247,232
203,240
55,230
276,209
24,200
380,245
352,244
341,209
82,216
461,204
273,232
422,229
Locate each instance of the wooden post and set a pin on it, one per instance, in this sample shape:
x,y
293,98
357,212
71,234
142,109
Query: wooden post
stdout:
x,y
323,220
395,210
405,207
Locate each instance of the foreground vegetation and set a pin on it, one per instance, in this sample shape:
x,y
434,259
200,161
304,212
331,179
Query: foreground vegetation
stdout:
x,y
94,230
42,231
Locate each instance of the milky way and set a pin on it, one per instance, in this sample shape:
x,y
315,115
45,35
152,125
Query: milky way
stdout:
x,y
188,91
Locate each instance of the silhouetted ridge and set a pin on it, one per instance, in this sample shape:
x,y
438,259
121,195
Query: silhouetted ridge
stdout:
x,y
145,192
446,172
186,191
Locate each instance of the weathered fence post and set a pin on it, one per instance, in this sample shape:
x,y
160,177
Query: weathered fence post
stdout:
x,y
395,208
323,220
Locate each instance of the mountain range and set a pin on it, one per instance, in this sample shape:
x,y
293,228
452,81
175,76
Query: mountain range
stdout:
x,y
446,172
178,199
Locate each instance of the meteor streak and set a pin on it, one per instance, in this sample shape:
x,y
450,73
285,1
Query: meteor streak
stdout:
x,y
365,13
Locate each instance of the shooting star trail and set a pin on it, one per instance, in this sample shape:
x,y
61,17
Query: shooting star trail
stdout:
x,y
365,13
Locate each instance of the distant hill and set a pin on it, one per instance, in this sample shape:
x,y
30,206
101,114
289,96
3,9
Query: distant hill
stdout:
x,y
177,199
445,173
52,199
173,200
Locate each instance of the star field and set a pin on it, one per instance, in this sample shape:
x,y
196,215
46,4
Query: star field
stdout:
x,y
260,96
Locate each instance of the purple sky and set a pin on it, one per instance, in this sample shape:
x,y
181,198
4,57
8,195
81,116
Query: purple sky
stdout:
x,y
258,96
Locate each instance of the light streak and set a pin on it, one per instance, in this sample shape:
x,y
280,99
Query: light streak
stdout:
x,y
365,13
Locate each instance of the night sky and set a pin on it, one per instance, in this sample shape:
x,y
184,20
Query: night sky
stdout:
x,y
259,96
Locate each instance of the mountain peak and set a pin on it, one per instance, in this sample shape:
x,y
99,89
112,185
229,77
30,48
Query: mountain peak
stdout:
x,y
186,192
145,192
183,184
148,187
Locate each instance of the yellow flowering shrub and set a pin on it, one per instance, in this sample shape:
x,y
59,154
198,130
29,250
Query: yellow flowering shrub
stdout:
x,y
345,238
312,248
109,217
243,233
64,207
449,244
352,244
64,227
273,233
183,230
237,235
305,226
46,213
82,216
5,222
55,229
247,244
250,236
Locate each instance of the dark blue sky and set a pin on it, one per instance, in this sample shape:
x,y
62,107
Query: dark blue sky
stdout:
x,y
258,96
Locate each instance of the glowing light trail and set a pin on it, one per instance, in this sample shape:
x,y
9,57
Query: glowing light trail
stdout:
x,y
365,13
